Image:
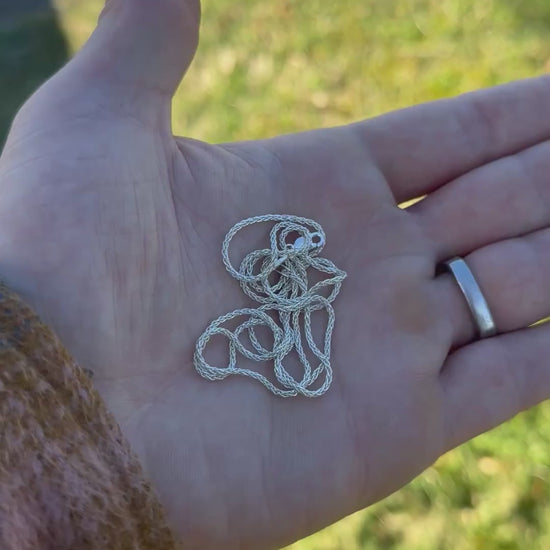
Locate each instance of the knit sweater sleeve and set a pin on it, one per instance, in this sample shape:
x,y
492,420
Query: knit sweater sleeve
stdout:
x,y
68,477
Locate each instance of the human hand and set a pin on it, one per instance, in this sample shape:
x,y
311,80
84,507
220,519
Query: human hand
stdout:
x,y
111,229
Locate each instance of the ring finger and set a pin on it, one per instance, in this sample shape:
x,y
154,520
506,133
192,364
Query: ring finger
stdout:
x,y
514,276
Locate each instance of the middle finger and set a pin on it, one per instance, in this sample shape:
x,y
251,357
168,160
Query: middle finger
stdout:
x,y
503,199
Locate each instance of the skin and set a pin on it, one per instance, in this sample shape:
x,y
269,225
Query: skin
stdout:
x,y
110,228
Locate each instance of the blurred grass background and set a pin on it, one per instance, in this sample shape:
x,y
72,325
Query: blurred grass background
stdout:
x,y
267,67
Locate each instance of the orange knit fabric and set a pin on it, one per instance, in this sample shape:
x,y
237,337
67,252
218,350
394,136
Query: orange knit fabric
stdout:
x,y
68,478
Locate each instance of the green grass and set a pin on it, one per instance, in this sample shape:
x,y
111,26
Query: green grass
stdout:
x,y
31,47
267,67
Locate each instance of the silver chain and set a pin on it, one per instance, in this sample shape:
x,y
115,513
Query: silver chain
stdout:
x,y
289,298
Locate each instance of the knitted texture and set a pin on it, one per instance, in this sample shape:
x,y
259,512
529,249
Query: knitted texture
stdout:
x,y
68,478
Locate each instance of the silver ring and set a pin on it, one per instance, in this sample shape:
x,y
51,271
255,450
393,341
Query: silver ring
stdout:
x,y
474,297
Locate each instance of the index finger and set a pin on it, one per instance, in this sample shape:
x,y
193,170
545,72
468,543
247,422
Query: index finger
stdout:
x,y
423,147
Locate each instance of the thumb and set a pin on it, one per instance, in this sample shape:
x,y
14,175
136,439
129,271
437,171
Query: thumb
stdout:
x,y
142,45
132,63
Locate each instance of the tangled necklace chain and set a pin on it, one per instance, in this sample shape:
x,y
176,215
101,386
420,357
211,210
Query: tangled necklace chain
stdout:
x,y
288,296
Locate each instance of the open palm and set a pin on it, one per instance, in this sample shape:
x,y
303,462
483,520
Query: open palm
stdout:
x,y
111,229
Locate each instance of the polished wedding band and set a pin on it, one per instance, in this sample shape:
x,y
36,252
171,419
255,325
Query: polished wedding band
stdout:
x,y
474,297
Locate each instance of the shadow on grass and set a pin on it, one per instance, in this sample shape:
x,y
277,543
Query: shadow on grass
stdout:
x,y
533,15
32,48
